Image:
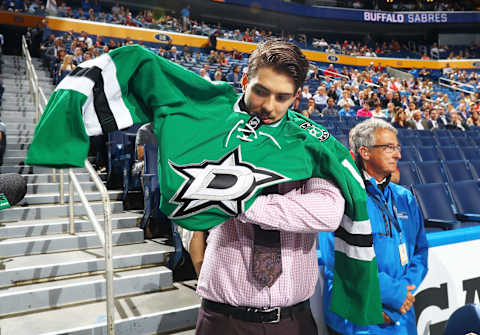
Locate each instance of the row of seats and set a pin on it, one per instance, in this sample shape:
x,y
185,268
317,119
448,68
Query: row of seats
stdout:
x,y
412,173
449,205
427,153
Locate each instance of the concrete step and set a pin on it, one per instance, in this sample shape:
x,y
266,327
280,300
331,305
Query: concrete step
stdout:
x,y
19,125
10,153
20,133
13,160
28,169
140,315
62,242
61,225
39,188
54,198
38,296
17,146
23,269
48,211
47,177
12,139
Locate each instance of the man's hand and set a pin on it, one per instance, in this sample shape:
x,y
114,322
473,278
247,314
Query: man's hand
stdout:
x,y
409,300
386,319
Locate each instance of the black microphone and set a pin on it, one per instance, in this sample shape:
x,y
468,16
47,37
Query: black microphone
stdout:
x,y
12,189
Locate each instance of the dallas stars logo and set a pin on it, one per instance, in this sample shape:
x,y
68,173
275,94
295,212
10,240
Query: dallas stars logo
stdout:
x,y
225,184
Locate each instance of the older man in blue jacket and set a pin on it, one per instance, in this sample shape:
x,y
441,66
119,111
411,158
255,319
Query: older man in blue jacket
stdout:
x,y
398,234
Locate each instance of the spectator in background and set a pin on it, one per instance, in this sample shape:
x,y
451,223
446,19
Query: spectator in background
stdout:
x,y
365,110
218,76
321,96
330,109
399,237
473,120
306,92
434,123
185,13
51,7
204,74
345,100
456,122
417,122
235,76
311,109
400,118
212,41
347,111
377,111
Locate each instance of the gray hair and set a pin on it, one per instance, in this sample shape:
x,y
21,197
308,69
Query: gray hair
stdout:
x,y
362,135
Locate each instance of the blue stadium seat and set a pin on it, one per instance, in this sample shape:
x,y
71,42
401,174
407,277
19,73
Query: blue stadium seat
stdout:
x,y
464,320
464,141
458,170
451,153
442,133
427,141
429,153
409,141
475,164
431,172
445,141
466,195
408,174
436,205
409,153
470,153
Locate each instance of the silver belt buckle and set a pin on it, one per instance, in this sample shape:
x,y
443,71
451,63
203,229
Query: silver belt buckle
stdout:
x,y
268,310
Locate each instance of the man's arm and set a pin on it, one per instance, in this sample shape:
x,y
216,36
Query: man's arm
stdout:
x,y
197,250
317,206
397,294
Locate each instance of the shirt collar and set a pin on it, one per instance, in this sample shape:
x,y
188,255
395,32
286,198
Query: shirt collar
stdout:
x,y
241,107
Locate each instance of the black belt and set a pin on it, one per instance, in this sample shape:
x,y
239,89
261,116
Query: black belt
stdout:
x,y
252,314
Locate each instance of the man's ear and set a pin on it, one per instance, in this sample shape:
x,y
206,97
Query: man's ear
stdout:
x,y
364,153
244,81
297,94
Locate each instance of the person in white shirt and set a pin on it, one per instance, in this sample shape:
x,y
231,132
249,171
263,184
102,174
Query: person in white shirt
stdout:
x,y
306,92
321,96
345,100
417,122
204,74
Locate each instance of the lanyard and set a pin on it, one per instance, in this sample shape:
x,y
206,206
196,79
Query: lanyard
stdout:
x,y
383,207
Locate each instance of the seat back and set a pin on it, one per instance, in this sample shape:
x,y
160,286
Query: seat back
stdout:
x,y
471,152
436,205
431,172
464,320
408,174
466,195
451,153
429,153
457,170
409,153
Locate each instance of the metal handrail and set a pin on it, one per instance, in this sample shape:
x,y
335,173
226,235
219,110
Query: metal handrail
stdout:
x,y
104,234
456,82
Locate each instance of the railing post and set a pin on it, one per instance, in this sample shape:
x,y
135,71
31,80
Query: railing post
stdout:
x,y
61,188
70,203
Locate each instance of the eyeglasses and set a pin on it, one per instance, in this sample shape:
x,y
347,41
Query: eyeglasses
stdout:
x,y
388,148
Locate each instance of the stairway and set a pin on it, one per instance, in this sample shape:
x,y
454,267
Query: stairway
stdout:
x,y
52,282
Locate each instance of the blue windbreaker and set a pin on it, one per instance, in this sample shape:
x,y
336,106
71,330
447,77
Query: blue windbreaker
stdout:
x,y
393,277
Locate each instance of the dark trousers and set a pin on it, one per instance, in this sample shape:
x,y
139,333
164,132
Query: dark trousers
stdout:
x,y
209,322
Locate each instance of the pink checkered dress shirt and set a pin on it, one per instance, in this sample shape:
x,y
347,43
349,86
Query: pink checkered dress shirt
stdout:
x,y
304,209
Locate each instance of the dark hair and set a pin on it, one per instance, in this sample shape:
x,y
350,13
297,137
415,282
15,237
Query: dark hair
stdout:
x,y
281,56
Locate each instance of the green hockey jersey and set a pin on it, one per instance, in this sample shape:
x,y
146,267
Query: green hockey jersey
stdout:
x,y
213,159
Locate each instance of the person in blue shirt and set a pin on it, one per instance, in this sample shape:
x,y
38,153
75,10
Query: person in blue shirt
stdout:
x,y
399,237
347,111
